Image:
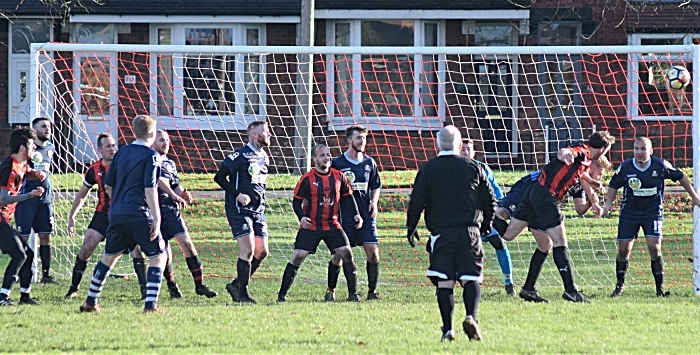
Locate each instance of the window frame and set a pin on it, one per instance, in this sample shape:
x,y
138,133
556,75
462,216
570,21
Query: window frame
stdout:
x,y
413,123
633,61
179,119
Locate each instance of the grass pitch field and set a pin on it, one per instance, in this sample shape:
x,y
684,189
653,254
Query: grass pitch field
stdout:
x,y
405,321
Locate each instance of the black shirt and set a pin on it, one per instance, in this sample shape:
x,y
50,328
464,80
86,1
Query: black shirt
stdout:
x,y
454,192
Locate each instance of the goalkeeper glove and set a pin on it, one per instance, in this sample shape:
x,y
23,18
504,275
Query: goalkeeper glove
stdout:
x,y
412,236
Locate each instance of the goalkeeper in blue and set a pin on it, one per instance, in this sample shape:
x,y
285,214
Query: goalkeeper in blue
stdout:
x,y
502,253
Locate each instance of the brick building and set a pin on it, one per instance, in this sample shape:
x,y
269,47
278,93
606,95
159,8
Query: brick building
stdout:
x,y
503,103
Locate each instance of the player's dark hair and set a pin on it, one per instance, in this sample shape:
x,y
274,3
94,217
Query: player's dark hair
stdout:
x,y
39,119
467,141
601,139
315,149
20,137
102,136
253,125
355,128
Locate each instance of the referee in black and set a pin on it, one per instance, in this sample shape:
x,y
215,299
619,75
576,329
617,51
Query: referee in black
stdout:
x,y
459,207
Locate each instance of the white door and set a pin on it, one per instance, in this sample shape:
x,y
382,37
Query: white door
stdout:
x,y
19,91
95,102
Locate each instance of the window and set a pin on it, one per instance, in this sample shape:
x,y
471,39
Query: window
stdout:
x,y
560,33
650,97
559,94
496,34
374,90
26,32
226,91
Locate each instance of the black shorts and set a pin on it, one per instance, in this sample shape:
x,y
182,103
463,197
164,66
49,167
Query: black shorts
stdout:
x,y
10,239
99,223
171,223
456,254
540,209
125,236
31,215
244,223
309,240
365,235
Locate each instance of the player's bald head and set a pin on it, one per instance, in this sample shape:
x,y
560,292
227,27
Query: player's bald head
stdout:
x,y
643,140
449,138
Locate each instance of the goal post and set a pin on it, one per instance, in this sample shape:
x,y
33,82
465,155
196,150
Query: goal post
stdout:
x,y
519,105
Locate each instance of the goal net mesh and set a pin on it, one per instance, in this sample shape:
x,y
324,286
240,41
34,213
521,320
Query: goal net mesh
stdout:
x,y
519,109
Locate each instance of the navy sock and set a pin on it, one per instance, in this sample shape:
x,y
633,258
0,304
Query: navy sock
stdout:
x,y
97,283
154,277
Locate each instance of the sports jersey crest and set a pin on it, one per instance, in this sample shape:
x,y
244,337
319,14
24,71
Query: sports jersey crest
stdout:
x,y
634,183
368,168
254,168
349,176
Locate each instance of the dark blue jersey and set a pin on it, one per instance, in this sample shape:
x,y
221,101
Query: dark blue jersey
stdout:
x,y
41,160
133,169
643,194
363,177
575,191
169,172
247,171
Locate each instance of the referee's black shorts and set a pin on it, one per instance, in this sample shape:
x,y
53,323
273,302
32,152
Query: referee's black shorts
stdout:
x,y
539,208
456,254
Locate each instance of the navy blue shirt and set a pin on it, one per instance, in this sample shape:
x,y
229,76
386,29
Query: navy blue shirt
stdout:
x,y
133,169
41,160
643,194
247,168
363,177
169,172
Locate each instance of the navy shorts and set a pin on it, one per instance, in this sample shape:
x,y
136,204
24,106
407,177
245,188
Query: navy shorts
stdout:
x,y
309,240
628,227
37,216
539,208
10,239
171,224
456,254
513,199
125,236
242,224
99,223
365,235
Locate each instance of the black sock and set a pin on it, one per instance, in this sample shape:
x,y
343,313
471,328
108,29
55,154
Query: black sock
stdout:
x,y
168,274
140,270
243,269
372,276
45,256
78,270
17,259
290,272
333,272
561,259
536,263
500,225
621,270
254,265
350,272
446,303
25,272
195,266
471,296
657,268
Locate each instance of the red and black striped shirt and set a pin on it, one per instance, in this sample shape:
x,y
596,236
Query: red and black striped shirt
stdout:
x,y
12,175
321,194
95,176
558,177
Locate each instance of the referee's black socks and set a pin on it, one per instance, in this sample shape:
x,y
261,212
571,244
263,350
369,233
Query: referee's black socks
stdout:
x,y
446,303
